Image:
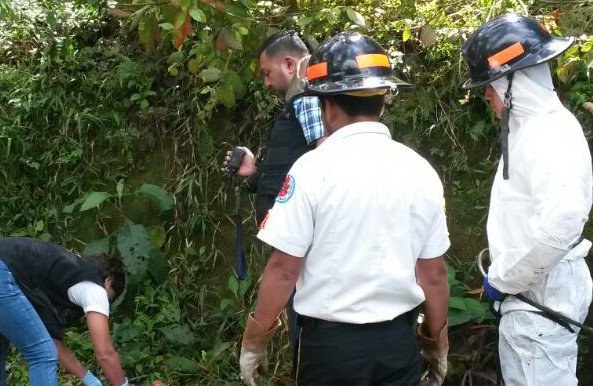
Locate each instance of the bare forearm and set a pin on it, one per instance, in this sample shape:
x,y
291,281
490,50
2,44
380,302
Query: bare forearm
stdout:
x,y
278,281
69,361
432,278
436,306
111,366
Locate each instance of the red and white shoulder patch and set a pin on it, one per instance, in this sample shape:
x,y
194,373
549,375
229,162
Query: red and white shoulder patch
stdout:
x,y
287,189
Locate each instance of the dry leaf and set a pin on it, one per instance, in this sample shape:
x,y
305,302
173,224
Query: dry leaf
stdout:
x,y
427,36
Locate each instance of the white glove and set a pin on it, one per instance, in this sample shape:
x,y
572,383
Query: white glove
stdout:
x,y
434,352
254,356
513,274
252,365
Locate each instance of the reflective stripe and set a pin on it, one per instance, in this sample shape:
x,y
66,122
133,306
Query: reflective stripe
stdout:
x,y
505,55
317,71
372,60
367,93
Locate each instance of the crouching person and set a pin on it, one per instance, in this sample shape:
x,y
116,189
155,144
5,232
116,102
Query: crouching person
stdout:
x,y
43,289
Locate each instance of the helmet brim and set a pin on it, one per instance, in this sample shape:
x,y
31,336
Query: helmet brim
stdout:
x,y
351,85
552,49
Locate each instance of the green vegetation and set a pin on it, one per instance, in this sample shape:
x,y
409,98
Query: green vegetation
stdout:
x,y
114,117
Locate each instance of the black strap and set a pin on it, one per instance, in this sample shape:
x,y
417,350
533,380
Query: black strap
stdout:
x,y
504,127
555,316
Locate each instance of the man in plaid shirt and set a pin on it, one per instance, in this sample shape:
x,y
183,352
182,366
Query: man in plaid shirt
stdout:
x,y
297,129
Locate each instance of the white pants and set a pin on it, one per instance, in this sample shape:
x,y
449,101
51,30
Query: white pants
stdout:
x,y
535,351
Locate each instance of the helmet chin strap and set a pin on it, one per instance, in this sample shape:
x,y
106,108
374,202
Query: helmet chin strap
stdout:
x,y
504,127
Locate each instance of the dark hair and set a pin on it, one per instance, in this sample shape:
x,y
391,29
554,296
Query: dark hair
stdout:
x,y
355,105
111,267
284,41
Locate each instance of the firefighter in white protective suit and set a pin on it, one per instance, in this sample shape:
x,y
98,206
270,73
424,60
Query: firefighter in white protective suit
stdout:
x,y
539,203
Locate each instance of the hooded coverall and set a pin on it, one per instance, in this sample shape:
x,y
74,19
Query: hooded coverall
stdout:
x,y
535,223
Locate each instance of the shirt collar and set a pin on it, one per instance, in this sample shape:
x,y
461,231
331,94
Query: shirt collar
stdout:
x,y
367,127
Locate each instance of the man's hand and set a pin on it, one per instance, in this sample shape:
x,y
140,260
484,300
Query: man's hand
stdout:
x,y
252,365
254,357
90,380
434,352
491,292
247,166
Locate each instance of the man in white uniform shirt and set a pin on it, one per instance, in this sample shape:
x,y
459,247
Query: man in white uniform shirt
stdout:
x,y
359,226
540,201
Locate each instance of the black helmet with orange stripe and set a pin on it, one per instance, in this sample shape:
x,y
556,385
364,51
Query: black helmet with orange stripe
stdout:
x,y
350,63
506,44
502,46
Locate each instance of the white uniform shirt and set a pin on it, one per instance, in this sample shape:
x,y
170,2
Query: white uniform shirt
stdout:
x,y
547,198
90,296
360,209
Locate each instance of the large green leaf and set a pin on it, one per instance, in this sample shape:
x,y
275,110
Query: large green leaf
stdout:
x,y
160,195
178,334
125,332
97,247
158,266
210,74
182,364
457,303
226,302
148,31
355,17
198,15
457,317
407,34
226,95
134,246
233,285
70,207
462,310
237,9
175,57
231,38
475,308
156,233
94,199
233,79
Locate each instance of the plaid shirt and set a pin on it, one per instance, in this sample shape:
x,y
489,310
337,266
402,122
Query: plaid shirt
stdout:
x,y
308,113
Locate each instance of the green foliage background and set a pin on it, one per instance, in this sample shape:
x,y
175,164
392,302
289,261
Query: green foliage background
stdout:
x,y
114,118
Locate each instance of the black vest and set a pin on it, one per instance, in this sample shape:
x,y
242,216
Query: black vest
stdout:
x,y
286,144
44,272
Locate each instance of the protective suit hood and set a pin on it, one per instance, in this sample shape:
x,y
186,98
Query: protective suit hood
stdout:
x,y
532,92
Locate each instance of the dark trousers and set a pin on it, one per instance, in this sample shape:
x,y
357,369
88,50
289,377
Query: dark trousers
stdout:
x,y
340,354
294,333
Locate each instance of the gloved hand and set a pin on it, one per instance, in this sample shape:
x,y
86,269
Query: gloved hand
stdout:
x,y
491,292
254,356
434,352
89,379
126,383
252,365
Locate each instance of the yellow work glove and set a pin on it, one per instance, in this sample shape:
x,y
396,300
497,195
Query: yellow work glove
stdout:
x,y
254,356
434,352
